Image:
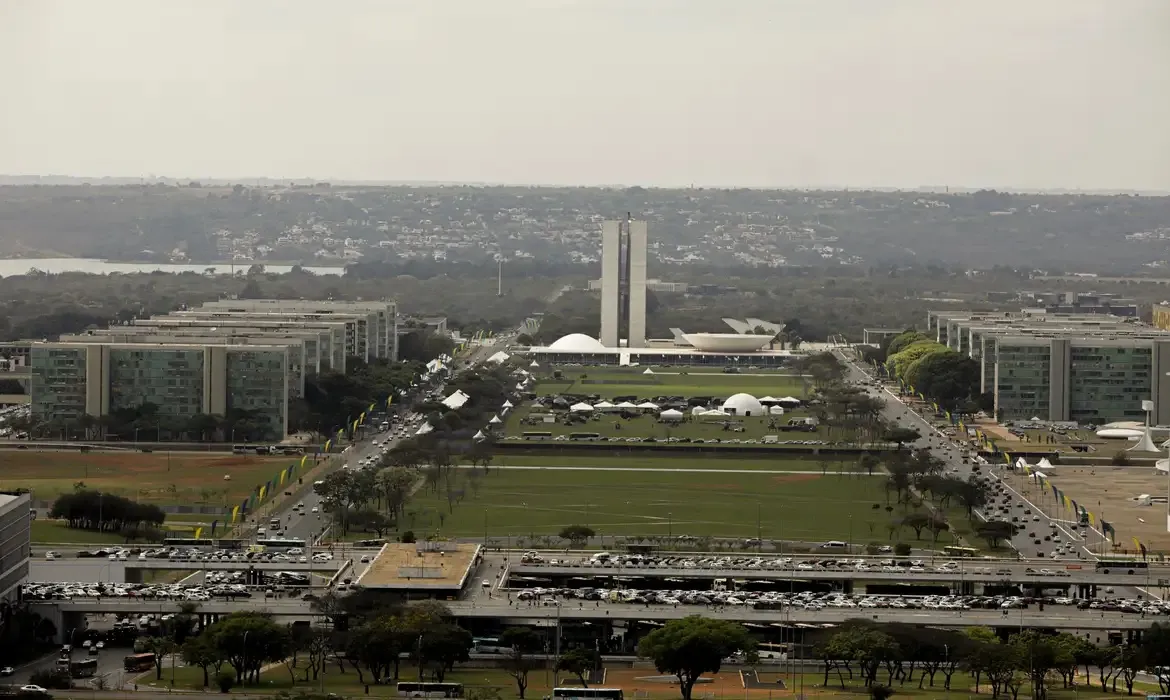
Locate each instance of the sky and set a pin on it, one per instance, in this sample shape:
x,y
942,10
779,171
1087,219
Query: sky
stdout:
x,y
1014,94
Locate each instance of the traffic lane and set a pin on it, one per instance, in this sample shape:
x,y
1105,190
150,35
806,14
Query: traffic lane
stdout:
x,y
109,665
942,446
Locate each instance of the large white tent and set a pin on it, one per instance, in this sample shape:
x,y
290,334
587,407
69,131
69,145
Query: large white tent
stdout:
x,y
744,405
455,400
648,406
788,399
495,420
581,408
626,405
671,415
603,406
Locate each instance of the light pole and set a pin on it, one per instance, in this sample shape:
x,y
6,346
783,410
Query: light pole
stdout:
x,y
669,525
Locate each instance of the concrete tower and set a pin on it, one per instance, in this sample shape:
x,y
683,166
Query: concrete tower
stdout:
x,y
623,283
611,274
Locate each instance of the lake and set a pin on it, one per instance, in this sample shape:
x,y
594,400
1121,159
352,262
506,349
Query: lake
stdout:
x,y
21,266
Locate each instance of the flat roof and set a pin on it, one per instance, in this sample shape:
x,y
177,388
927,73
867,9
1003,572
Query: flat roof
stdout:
x,y
422,566
8,499
677,351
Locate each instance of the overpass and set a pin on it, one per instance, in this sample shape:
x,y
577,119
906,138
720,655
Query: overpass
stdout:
x,y
1082,579
66,614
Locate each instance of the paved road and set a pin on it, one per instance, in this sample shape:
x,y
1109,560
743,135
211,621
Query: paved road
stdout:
x,y
1037,524
498,606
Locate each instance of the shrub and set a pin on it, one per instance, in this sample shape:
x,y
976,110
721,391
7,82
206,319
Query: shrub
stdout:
x,y
902,549
407,537
225,680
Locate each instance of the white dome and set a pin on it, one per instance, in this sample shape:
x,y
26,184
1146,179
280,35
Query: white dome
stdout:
x,y
744,405
1122,433
576,342
726,342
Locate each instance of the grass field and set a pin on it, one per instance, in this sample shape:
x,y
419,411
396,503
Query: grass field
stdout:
x,y
165,479
794,507
722,685
717,460
608,382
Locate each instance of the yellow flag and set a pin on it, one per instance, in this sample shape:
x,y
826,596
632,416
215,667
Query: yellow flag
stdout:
x,y
235,513
263,490
303,461
327,444
1137,544
198,532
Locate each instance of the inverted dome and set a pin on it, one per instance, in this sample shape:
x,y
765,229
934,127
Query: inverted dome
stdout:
x,y
726,342
576,342
744,405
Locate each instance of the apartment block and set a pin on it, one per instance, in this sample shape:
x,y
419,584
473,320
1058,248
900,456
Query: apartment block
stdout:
x,y
15,544
379,341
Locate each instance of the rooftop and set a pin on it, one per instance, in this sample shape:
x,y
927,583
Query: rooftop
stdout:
x,y
423,566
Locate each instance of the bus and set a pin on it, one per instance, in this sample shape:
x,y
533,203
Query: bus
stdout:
x,y
281,542
1128,566
584,436
188,542
954,551
588,693
430,690
489,645
138,662
536,435
85,668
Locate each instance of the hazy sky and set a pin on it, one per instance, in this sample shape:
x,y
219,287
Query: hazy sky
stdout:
x,y
1007,93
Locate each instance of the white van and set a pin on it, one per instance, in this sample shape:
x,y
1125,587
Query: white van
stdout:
x,y
834,544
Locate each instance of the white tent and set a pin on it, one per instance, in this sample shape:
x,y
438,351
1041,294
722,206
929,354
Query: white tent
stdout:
x,y
534,364
788,399
648,406
507,403
671,414
1044,463
626,405
603,405
495,420
714,412
768,399
648,371
479,436
499,357
1039,475
580,407
698,410
456,400
423,429
776,410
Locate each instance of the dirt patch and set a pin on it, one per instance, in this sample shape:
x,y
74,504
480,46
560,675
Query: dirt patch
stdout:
x,y
795,478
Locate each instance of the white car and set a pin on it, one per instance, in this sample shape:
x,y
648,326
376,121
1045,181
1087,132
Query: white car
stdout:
x,y
314,509
365,558
51,555
33,689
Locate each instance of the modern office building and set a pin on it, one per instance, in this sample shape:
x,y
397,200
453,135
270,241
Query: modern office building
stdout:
x,y
375,337
330,343
15,543
298,361
1088,368
623,283
70,380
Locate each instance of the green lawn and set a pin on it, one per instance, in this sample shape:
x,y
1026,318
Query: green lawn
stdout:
x,y
640,460
725,683
801,507
54,532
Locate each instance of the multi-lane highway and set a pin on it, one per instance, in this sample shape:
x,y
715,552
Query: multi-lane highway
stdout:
x,y
1035,525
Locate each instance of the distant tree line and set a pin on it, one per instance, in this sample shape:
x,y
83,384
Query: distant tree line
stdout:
x,y
84,509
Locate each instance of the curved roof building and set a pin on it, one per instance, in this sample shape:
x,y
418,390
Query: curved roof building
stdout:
x,y
726,342
576,342
744,405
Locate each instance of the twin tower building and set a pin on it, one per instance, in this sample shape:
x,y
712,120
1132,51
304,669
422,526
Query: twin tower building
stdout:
x,y
623,283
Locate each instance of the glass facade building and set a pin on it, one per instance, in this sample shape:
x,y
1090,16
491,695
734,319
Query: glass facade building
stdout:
x,y
58,381
171,379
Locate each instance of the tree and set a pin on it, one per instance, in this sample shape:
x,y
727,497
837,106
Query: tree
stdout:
x,y
248,640
692,646
523,642
442,646
160,647
580,662
577,534
1038,655
200,651
902,340
916,522
995,531
376,644
901,436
